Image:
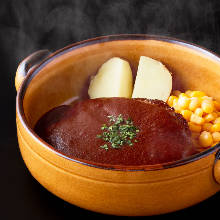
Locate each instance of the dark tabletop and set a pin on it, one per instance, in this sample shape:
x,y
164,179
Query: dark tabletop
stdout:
x,y
27,26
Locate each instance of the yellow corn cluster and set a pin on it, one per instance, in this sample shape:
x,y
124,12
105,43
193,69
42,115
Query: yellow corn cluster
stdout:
x,y
202,114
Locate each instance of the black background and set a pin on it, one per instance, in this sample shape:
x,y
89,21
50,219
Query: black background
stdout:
x,y
27,26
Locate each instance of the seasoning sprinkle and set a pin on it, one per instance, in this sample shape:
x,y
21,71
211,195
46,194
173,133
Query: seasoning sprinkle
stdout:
x,y
118,132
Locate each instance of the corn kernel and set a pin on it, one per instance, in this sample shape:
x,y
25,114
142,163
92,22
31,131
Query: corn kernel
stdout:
x,y
183,95
183,102
205,139
216,136
186,114
210,117
176,106
194,103
217,105
207,126
199,112
215,127
217,120
207,98
188,93
197,94
176,93
194,127
197,119
207,106
215,114
170,100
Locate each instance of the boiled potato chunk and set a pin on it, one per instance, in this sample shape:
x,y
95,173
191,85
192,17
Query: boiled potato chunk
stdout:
x,y
114,79
153,80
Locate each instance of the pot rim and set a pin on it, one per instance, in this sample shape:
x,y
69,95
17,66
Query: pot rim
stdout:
x,y
33,72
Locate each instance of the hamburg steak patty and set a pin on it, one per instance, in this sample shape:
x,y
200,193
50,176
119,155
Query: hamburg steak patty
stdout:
x,y
163,135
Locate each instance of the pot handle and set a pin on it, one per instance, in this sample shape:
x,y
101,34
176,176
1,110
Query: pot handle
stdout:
x,y
27,64
217,167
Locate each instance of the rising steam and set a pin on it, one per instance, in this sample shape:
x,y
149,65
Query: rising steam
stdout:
x,y
40,24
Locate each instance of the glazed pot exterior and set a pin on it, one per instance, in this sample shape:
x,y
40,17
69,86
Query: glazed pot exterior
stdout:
x,y
129,192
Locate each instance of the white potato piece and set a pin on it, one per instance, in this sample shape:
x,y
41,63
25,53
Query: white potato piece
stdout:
x,y
114,79
153,80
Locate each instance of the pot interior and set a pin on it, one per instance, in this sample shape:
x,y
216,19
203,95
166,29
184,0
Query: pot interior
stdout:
x,y
66,74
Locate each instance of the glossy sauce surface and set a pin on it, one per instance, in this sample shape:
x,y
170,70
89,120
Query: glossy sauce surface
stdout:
x,y
72,129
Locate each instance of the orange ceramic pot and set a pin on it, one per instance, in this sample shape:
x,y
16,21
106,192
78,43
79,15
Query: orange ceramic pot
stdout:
x,y
45,80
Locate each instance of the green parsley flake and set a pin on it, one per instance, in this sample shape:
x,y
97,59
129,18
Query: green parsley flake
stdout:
x,y
119,132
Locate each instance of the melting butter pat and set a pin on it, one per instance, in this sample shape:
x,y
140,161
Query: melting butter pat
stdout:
x,y
153,80
114,79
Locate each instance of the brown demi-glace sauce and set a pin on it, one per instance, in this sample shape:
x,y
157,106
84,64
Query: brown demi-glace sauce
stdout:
x,y
163,135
